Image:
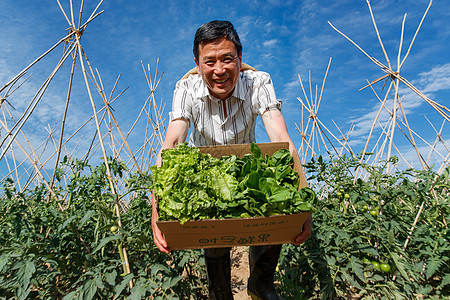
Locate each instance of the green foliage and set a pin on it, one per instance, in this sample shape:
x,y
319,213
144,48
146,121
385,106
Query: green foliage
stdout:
x,y
355,237
65,249
192,185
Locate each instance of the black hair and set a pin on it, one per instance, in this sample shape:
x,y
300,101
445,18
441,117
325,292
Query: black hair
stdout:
x,y
215,30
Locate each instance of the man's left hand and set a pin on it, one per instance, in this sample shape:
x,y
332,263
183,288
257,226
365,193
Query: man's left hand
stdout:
x,y
306,232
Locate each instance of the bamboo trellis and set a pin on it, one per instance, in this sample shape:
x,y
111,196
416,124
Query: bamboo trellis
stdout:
x,y
316,135
397,118
108,137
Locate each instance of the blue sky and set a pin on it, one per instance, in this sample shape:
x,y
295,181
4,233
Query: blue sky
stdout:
x,y
285,38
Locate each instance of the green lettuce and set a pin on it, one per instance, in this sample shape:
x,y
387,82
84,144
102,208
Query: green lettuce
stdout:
x,y
191,185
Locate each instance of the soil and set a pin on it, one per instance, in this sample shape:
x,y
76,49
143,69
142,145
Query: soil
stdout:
x,y
239,272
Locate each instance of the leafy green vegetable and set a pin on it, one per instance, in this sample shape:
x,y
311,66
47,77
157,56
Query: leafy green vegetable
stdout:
x,y
192,185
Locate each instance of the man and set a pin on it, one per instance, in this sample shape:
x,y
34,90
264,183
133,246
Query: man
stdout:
x,y
223,101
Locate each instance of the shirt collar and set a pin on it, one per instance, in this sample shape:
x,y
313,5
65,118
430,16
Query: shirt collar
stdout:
x,y
203,92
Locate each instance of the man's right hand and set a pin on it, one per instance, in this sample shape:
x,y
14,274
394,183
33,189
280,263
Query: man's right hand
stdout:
x,y
158,238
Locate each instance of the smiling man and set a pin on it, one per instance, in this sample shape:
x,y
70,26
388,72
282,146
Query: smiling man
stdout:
x,y
222,100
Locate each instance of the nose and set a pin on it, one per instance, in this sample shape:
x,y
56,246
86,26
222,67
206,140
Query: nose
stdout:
x,y
219,68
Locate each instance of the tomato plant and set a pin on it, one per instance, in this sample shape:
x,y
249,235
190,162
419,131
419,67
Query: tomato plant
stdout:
x,y
354,238
71,247
54,249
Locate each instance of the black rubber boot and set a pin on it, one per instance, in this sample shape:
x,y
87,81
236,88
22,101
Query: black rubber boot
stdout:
x,y
218,269
263,261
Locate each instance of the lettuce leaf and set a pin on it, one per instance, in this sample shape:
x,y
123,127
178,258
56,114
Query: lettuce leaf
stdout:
x,y
192,185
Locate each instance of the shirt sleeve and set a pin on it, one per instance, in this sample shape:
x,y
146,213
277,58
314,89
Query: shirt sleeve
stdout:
x,y
182,101
265,94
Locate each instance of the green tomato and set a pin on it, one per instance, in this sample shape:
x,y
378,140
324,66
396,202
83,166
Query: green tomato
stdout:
x,y
346,195
114,229
366,260
365,208
373,212
385,268
339,194
376,265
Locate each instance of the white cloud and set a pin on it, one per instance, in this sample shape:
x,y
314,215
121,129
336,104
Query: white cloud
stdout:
x,y
5,74
269,27
434,80
270,43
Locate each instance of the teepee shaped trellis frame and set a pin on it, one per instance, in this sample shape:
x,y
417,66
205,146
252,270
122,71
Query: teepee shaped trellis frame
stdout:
x,y
397,117
395,80
107,133
315,134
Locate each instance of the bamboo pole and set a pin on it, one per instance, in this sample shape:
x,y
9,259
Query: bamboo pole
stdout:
x,y
35,166
417,32
378,33
64,13
412,141
63,122
21,73
444,164
438,138
110,113
36,99
108,172
36,157
371,131
317,132
64,39
413,226
405,123
438,107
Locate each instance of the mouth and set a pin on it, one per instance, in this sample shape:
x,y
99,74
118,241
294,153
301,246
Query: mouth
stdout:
x,y
220,81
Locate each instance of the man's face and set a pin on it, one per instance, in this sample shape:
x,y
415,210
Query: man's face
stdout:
x,y
219,65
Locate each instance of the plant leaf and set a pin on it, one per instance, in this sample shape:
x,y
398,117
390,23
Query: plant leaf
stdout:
x,y
357,268
106,240
432,266
119,288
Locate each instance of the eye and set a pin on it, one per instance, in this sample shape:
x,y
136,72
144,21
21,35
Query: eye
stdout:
x,y
228,60
209,63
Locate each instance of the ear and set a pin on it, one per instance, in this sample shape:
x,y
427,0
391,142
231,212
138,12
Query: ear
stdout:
x,y
198,67
240,60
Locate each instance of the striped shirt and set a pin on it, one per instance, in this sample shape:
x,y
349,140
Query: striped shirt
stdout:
x,y
229,121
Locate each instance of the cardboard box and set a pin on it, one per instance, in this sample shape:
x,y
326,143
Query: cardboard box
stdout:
x,y
280,229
